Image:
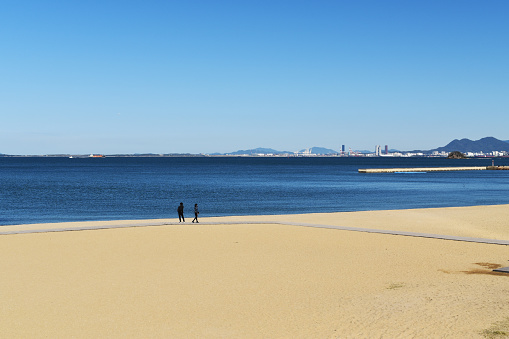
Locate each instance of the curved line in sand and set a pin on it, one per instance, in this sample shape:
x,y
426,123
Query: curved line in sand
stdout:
x,y
343,228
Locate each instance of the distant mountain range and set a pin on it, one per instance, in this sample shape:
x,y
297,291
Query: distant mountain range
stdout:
x,y
485,145
318,151
259,150
312,150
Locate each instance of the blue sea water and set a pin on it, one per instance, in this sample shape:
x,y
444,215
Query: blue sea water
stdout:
x,y
38,190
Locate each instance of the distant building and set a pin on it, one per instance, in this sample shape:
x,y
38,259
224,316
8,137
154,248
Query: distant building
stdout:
x,y
386,149
378,150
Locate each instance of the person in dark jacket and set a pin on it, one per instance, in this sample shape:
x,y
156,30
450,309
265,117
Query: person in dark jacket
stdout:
x,y
180,211
196,212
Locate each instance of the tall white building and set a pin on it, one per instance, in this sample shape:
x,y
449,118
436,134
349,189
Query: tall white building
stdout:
x,y
378,150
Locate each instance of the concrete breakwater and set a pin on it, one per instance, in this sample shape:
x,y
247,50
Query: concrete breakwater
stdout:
x,y
431,169
498,168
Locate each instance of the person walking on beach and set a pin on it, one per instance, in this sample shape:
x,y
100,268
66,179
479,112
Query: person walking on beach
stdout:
x,y
180,211
196,212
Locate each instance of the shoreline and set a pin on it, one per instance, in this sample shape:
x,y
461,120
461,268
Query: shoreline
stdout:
x,y
341,228
231,277
485,217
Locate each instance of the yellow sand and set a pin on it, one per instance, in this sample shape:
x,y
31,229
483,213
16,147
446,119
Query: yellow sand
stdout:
x,y
260,281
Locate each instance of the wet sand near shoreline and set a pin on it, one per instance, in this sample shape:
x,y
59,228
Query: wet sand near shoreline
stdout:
x,y
260,280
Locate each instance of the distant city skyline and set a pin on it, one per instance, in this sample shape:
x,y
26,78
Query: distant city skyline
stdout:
x,y
220,76
485,146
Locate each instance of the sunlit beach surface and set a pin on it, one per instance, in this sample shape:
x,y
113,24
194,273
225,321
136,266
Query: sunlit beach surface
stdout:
x,y
252,277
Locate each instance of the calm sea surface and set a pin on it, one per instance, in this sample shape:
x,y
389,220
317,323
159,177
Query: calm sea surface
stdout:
x,y
37,190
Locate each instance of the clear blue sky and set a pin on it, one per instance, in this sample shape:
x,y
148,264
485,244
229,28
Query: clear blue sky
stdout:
x,y
218,76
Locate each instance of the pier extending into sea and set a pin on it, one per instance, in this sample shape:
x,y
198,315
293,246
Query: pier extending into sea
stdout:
x,y
432,169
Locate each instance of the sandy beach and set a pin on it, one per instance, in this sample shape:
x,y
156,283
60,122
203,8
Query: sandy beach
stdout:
x,y
228,278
